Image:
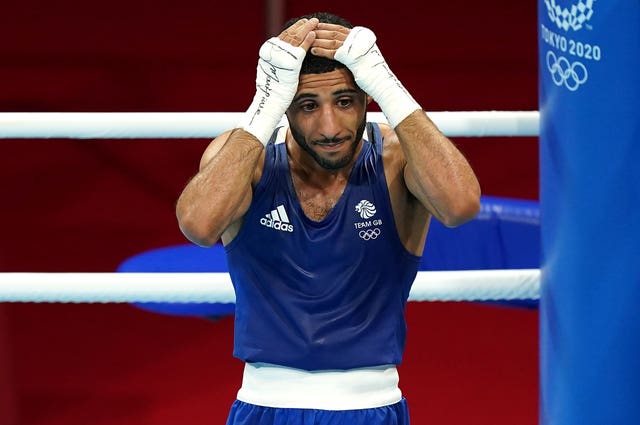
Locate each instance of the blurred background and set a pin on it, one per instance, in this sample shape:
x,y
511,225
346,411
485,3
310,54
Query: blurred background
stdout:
x,y
88,205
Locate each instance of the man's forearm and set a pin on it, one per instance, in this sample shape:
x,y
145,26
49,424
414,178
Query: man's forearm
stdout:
x,y
437,173
217,195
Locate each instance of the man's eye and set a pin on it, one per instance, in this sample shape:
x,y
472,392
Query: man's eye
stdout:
x,y
345,102
307,107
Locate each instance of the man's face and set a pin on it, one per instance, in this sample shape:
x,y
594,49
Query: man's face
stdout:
x,y
327,117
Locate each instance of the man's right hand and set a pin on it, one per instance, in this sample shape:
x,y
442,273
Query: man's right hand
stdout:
x,y
277,78
300,34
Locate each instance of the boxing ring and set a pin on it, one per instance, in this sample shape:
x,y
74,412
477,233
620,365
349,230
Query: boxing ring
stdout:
x,y
198,289
138,286
589,280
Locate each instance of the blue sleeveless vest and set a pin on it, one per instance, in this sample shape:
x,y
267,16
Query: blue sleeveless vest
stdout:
x,y
321,295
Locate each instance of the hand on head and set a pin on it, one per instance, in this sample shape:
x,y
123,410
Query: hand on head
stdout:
x,y
328,39
356,48
323,39
279,63
300,34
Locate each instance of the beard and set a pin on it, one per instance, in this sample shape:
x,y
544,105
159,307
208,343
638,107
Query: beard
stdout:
x,y
330,163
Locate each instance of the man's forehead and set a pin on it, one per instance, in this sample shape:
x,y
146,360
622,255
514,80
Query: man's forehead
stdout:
x,y
333,80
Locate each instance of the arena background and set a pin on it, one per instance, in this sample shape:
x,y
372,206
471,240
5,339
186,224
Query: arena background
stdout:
x,y
88,205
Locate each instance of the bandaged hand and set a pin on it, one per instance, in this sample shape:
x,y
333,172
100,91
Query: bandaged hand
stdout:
x,y
359,52
279,63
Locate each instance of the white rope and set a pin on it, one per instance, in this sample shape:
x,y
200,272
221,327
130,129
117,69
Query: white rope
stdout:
x,y
468,285
158,125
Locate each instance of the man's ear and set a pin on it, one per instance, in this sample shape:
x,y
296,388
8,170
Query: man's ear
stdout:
x,y
369,99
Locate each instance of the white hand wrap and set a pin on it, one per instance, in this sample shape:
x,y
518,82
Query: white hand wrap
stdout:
x,y
276,84
372,74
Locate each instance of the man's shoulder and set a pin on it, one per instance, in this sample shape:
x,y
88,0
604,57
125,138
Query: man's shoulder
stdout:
x,y
389,136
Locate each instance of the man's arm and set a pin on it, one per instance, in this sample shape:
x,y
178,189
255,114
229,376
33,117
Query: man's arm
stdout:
x,y
436,173
221,192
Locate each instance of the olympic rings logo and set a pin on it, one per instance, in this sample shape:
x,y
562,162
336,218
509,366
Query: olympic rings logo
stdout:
x,y
563,72
369,234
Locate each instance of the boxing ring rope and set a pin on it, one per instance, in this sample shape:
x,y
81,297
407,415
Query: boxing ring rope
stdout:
x,y
465,285
152,125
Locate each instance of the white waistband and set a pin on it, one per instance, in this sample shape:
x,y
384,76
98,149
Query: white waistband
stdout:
x,y
270,385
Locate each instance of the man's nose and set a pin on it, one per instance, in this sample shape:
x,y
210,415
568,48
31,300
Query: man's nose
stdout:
x,y
329,126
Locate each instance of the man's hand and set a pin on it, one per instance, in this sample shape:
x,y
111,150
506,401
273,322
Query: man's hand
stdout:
x,y
356,48
277,78
300,34
329,38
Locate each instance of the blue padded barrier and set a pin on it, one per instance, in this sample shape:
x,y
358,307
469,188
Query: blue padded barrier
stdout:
x,y
504,235
182,258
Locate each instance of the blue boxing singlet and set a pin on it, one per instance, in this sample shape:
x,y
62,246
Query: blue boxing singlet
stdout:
x,y
321,295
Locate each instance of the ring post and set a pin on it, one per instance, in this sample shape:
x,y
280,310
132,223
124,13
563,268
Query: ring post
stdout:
x,y
589,64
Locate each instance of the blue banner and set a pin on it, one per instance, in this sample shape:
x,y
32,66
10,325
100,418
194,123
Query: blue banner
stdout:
x,y
589,71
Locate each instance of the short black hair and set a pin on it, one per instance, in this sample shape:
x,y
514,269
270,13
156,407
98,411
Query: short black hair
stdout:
x,y
313,64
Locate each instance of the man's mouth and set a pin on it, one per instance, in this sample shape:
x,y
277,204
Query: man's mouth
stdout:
x,y
330,142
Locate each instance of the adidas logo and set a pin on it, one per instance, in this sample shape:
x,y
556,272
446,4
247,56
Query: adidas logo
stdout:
x,y
277,219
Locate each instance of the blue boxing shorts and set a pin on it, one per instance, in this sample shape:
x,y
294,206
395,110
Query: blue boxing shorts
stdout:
x,y
276,395
249,414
